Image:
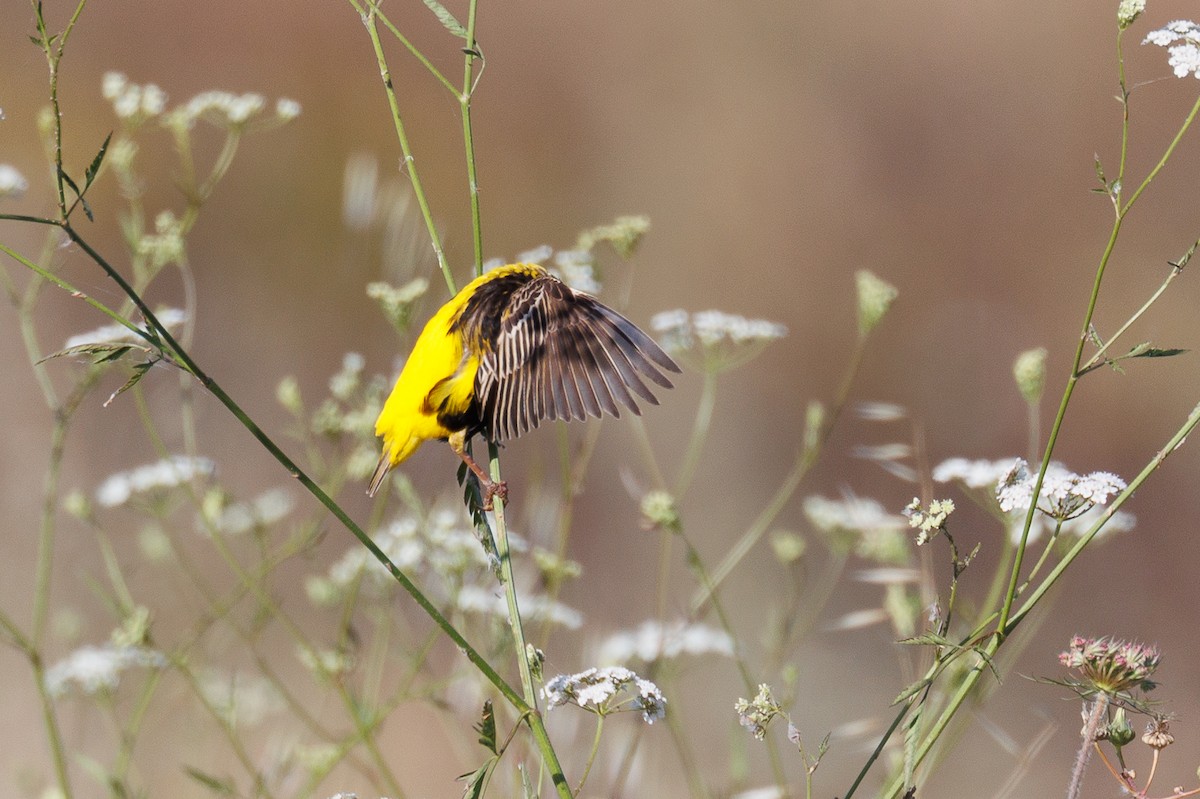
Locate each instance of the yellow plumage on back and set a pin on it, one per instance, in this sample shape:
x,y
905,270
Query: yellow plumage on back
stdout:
x,y
515,347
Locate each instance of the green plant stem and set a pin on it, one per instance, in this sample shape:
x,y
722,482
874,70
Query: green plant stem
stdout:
x,y
464,100
1097,360
1093,299
185,360
369,16
700,429
504,553
795,476
968,683
591,758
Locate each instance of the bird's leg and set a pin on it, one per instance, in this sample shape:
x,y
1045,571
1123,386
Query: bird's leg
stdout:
x,y
491,488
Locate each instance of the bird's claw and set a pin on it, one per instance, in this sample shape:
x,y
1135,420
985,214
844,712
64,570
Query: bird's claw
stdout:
x,y
491,490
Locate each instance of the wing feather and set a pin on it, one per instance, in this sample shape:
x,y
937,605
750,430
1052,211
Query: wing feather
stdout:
x,y
561,354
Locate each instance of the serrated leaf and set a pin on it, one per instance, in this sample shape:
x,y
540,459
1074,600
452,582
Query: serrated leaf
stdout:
x,y
927,639
487,727
219,786
912,690
477,779
1156,352
139,371
446,18
108,350
87,209
90,174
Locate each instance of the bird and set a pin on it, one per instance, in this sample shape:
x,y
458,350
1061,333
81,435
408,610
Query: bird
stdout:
x,y
515,347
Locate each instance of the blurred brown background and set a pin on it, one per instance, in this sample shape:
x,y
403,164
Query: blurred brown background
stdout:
x,y
777,147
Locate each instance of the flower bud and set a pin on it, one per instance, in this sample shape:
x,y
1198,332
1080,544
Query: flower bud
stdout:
x,y
1029,370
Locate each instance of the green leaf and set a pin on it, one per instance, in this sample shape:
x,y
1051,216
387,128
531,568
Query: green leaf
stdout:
x,y
62,173
446,18
477,779
1147,351
911,691
219,786
927,639
139,371
107,350
487,727
94,167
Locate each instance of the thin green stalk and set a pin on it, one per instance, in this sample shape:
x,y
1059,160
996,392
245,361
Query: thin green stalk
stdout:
x,y
369,16
795,476
968,683
591,758
504,553
425,62
464,100
1097,360
700,428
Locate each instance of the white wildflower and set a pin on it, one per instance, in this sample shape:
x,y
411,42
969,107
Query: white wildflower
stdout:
x,y
92,669
241,517
757,713
169,318
851,518
239,699
167,473
577,268
536,607
973,473
538,255
343,384
929,520
653,640
12,182
1128,11
1182,40
600,691
1064,494
326,664
287,109
113,85
723,340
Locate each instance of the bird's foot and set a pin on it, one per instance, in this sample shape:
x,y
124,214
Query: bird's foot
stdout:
x,y
491,490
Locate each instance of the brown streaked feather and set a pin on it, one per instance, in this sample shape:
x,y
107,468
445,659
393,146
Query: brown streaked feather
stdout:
x,y
561,354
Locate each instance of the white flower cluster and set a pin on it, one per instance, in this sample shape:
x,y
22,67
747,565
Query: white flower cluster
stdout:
x,y
598,690
1068,500
929,520
241,517
132,102
135,103
93,669
1064,494
576,268
1182,40
653,640
537,607
681,330
12,182
166,244
169,317
167,473
861,524
239,699
972,473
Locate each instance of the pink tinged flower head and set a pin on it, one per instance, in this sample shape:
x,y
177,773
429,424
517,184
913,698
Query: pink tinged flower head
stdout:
x,y
1110,665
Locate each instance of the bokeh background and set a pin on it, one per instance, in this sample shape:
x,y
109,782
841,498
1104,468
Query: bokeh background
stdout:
x,y
777,147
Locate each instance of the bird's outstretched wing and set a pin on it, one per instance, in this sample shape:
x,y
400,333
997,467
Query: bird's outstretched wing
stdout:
x,y
561,354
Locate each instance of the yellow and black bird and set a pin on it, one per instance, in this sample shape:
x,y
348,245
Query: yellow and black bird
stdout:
x,y
514,347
